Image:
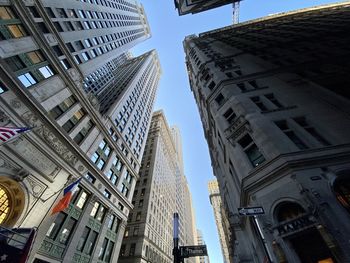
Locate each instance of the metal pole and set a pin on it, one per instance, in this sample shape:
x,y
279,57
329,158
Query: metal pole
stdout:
x,y
176,238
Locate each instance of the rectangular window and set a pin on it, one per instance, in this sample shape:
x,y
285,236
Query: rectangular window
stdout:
x,y
251,150
6,13
90,178
107,194
101,253
91,243
56,225
46,71
35,56
109,251
17,31
303,123
291,134
132,249
219,99
83,239
27,79
110,222
259,103
230,116
272,98
67,231
15,63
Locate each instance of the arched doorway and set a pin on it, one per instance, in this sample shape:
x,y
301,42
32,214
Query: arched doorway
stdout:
x,y
11,201
341,188
300,230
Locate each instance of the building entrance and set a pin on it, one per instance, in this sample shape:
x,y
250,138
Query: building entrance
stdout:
x,y
311,248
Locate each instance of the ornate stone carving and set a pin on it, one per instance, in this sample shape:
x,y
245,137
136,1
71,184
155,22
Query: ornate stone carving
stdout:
x,y
37,187
50,138
15,103
4,119
238,127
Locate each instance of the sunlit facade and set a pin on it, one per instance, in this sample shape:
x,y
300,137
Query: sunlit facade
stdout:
x,y
161,190
273,98
49,51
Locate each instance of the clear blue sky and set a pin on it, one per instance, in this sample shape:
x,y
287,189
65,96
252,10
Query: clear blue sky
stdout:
x,y
174,95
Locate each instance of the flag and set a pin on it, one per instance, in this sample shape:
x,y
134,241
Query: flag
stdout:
x,y
9,133
67,196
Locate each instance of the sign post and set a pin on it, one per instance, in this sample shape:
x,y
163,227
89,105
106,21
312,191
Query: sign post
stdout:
x,y
180,253
176,237
251,211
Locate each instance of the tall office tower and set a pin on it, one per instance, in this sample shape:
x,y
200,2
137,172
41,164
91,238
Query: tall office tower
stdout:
x,y
274,102
200,241
196,6
219,214
149,233
93,32
74,135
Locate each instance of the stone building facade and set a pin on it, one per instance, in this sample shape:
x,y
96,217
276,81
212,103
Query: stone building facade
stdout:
x,y
160,191
219,214
75,133
273,96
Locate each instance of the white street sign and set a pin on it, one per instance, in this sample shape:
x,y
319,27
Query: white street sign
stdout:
x,y
251,211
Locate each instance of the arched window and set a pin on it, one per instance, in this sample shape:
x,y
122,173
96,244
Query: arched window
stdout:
x,y
11,201
288,210
341,188
4,204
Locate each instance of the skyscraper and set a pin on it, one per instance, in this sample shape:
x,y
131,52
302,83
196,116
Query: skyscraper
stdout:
x,y
274,103
161,190
45,73
196,6
219,214
200,241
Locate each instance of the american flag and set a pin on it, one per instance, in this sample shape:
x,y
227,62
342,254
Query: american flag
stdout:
x,y
8,133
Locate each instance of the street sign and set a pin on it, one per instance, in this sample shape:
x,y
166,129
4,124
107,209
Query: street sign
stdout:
x,y
193,251
251,211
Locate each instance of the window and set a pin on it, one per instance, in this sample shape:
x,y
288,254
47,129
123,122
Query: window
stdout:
x,y
143,191
71,123
82,198
56,225
15,63
62,107
109,250
132,249
242,87
291,134
98,211
83,132
46,71
58,26
272,98
91,243
90,178
259,103
141,203
107,194
101,253
230,116
27,79
136,231
219,99
6,13
251,150
83,239
35,56
211,85
67,231
302,122
110,222
17,31
2,88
